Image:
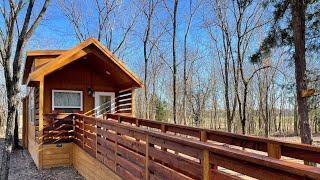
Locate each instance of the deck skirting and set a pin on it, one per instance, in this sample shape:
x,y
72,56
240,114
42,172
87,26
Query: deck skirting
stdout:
x,y
70,154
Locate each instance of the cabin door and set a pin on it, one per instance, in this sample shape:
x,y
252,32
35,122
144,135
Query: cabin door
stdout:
x,y
104,103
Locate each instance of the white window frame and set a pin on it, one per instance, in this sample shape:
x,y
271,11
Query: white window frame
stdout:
x,y
96,99
68,91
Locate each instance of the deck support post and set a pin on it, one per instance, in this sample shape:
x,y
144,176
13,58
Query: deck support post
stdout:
x,y
163,130
41,104
147,158
203,136
116,146
205,165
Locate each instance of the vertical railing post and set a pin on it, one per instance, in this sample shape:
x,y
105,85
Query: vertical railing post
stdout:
x,y
105,116
274,150
205,157
203,136
147,158
83,118
119,119
205,165
137,125
74,126
96,128
163,130
116,146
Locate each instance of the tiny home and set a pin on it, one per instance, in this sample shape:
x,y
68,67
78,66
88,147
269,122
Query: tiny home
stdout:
x,y
86,79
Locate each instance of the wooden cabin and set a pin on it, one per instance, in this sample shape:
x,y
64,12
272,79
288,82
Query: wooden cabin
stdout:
x,y
86,79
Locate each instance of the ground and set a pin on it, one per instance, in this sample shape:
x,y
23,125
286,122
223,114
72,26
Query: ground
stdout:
x,y
22,167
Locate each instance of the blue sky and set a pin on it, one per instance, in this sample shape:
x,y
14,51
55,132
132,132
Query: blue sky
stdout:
x,y
55,32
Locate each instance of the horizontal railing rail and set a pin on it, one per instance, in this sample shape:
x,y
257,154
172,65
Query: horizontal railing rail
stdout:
x,y
59,128
273,148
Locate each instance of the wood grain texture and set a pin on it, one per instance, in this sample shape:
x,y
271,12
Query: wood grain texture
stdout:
x,y
53,156
90,167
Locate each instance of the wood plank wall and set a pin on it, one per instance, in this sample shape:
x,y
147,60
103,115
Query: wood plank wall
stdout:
x,y
54,155
33,146
89,167
78,76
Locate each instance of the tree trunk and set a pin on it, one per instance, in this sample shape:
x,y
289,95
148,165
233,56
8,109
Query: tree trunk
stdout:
x,y
295,118
174,61
16,131
244,109
8,143
184,102
298,21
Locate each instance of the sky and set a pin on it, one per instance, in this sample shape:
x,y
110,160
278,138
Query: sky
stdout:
x,y
56,32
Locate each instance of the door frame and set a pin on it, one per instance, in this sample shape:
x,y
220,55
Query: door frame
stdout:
x,y
100,93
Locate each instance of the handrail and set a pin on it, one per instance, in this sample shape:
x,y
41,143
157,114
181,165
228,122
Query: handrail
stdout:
x,y
274,148
211,156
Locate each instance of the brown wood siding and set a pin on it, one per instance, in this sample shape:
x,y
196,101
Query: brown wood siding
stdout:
x,y
25,122
79,75
36,112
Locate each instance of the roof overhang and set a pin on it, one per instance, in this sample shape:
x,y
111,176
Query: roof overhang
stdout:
x,y
91,45
32,55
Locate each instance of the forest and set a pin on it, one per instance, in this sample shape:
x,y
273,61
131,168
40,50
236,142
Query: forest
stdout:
x,y
244,66
199,59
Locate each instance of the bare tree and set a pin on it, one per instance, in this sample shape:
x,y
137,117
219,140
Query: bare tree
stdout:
x,y
225,52
13,39
191,13
173,17
105,29
148,12
247,22
199,99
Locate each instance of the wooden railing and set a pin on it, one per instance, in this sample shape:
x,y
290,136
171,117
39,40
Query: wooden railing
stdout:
x,y
86,133
155,150
124,101
59,129
273,148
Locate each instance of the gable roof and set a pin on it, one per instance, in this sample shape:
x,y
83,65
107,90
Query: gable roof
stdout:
x,y
73,54
32,55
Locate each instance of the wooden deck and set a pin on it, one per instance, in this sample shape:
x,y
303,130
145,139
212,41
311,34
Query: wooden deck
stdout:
x,y
144,149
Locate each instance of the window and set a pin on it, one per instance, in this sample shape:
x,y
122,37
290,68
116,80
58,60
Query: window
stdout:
x,y
66,100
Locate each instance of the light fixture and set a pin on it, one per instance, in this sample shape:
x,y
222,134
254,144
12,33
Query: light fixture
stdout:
x,y
90,91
